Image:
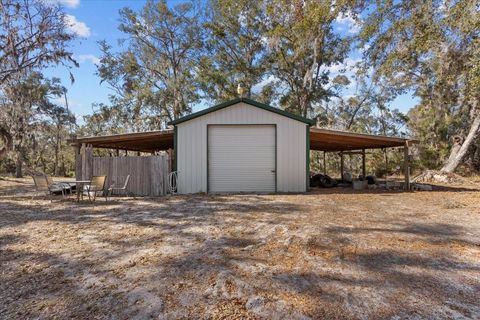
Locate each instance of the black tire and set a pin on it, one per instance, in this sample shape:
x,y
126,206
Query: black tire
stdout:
x,y
371,179
315,180
328,182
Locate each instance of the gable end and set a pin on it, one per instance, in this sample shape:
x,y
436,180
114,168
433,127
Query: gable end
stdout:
x,y
247,101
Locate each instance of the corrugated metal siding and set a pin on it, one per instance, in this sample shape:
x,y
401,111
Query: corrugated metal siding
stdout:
x,y
192,147
241,158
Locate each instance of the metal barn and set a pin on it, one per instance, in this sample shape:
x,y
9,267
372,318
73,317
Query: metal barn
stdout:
x,y
242,146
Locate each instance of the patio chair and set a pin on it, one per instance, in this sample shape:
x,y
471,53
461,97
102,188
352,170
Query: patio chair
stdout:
x,y
121,189
43,186
97,184
57,187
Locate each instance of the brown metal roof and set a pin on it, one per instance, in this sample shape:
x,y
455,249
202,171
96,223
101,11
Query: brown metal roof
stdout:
x,y
320,139
149,141
335,140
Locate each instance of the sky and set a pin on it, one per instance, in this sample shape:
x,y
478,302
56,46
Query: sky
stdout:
x,y
96,20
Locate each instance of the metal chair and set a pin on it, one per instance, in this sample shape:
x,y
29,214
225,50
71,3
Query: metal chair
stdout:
x,y
121,189
42,185
56,187
97,184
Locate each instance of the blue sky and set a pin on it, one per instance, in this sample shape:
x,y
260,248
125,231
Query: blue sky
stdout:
x,y
95,20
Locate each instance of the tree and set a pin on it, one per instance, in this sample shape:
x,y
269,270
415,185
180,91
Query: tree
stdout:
x,y
26,103
58,119
432,48
156,75
106,119
236,49
33,35
302,46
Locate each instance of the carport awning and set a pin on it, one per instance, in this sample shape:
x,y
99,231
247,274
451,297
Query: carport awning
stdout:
x,y
335,140
320,139
149,141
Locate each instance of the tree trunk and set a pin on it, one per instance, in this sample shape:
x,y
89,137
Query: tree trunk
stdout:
x,y
476,158
44,165
3,152
56,161
457,154
7,141
18,167
385,157
457,144
63,169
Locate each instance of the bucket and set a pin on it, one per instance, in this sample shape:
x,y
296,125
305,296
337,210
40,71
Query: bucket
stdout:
x,y
359,185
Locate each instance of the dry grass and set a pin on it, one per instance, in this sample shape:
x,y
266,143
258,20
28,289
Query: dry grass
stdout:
x,y
324,254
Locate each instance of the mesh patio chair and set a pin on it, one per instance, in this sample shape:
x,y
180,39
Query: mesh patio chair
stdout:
x,y
57,187
97,184
42,185
121,189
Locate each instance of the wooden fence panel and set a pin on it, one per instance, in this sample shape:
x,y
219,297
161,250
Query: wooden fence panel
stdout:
x,y
148,175
158,168
78,166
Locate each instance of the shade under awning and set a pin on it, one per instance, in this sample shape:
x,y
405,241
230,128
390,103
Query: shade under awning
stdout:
x,y
320,139
335,140
149,141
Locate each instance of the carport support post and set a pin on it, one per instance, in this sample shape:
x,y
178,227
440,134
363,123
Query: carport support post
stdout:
x,y
84,161
406,167
341,166
324,162
364,172
78,162
170,159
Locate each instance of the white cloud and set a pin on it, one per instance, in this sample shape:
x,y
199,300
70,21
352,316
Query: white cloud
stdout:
x,y
67,3
346,22
364,48
77,27
88,57
347,67
444,6
79,119
72,103
259,86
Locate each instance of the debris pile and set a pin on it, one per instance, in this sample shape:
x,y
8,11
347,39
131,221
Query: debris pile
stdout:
x,y
438,177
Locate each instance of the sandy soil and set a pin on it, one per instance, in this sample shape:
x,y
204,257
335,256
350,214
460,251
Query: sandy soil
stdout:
x,y
330,254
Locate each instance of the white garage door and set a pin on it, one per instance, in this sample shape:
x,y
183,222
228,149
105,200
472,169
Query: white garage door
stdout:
x,y
241,158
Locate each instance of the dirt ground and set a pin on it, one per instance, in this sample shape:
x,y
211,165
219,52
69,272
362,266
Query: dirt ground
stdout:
x,y
326,254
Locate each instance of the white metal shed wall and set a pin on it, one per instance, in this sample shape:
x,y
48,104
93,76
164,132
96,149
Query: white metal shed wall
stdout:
x,y
192,147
